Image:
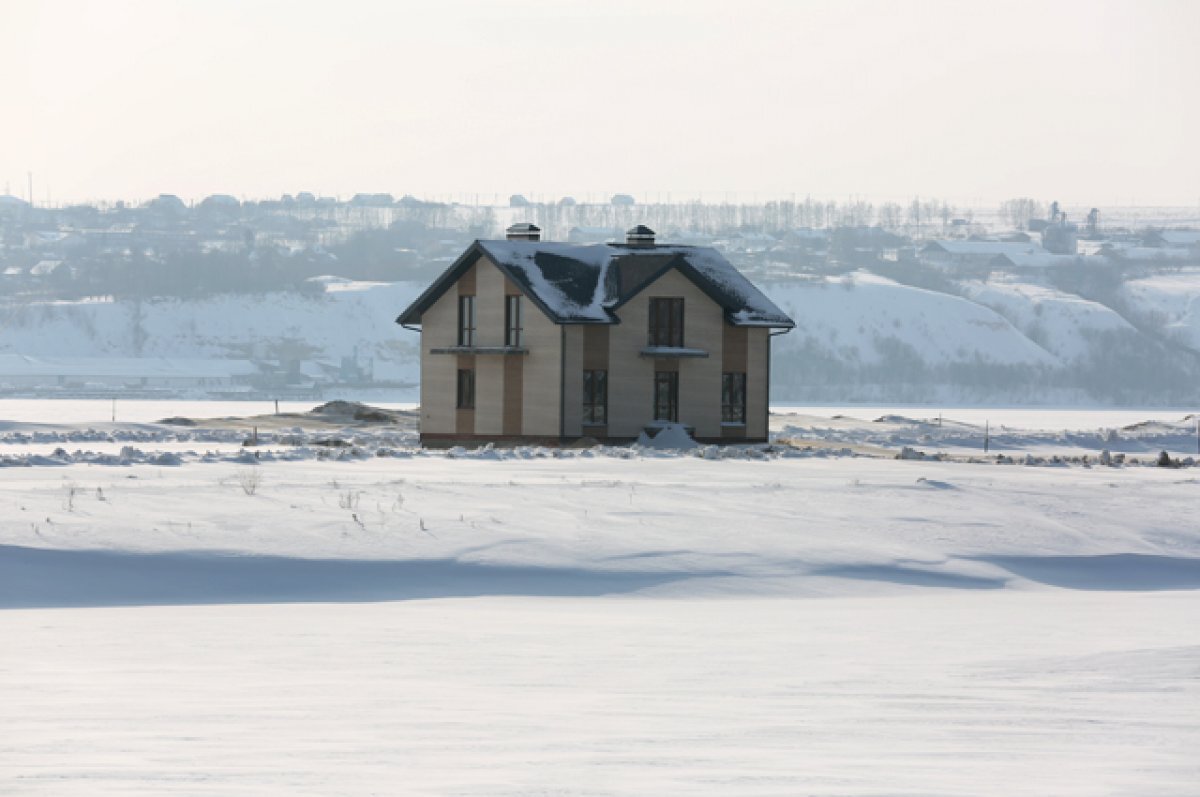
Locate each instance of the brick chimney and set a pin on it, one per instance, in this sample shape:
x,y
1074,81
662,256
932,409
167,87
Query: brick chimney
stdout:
x,y
640,235
523,232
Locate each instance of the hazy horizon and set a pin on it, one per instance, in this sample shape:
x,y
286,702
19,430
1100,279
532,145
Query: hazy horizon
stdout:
x,y
972,102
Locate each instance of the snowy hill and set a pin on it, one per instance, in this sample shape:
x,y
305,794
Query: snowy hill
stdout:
x,y
860,337
862,318
348,319
1058,321
1173,299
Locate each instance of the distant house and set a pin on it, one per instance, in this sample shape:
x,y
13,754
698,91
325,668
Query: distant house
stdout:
x,y
524,340
1125,252
593,235
1174,239
1035,263
45,268
973,254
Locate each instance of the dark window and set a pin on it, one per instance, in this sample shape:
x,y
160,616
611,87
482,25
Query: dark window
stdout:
x,y
512,321
466,320
595,397
733,398
666,322
666,396
466,388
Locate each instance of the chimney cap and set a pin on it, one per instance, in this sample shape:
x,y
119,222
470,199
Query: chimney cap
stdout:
x,y
641,235
524,231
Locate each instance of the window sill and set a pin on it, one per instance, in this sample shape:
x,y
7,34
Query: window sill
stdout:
x,y
733,424
479,350
672,351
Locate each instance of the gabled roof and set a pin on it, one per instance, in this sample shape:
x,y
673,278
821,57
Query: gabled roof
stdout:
x,y
585,284
979,248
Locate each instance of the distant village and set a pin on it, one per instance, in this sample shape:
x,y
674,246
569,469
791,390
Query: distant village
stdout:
x,y
169,248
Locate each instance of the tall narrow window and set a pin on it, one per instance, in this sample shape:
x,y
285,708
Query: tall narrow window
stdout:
x,y
513,325
666,322
466,388
466,320
733,398
595,398
666,396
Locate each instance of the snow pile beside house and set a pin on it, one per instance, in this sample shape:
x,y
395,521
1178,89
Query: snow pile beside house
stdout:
x,y
668,437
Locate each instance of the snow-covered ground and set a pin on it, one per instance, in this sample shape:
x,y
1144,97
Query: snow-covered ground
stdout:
x,y
814,617
860,337
855,316
1173,299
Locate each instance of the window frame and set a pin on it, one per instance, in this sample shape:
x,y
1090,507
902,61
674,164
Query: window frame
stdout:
x,y
595,397
514,329
666,321
466,320
465,389
733,398
669,380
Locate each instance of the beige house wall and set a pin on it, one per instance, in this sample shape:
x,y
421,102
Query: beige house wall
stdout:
x,y
541,409
489,331
631,376
546,403
439,372
573,383
757,374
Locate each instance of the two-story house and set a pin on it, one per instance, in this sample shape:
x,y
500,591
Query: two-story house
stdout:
x,y
530,341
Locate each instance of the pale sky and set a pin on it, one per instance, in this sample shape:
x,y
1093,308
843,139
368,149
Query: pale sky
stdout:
x,y
1087,102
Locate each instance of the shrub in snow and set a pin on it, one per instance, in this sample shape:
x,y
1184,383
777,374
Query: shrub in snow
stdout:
x,y
249,480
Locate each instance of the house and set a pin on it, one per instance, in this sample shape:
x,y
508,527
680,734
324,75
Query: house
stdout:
x,y
977,255
1038,263
1173,239
524,340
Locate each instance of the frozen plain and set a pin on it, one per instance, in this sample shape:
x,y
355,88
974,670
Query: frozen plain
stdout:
x,y
600,623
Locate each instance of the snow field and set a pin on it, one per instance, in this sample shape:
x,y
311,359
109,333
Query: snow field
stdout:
x,y
615,622
954,693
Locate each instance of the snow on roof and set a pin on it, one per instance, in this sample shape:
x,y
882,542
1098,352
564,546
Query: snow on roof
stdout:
x,y
1145,252
1037,260
981,248
1180,237
45,267
585,284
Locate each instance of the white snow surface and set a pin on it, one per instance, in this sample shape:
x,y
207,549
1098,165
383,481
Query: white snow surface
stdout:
x,y
349,319
857,319
850,317
763,620
1174,299
1060,321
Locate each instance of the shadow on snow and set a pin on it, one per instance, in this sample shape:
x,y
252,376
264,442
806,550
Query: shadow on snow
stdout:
x,y
1122,571
39,578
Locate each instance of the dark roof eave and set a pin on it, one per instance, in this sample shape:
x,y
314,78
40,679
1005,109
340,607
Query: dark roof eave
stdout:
x,y
412,315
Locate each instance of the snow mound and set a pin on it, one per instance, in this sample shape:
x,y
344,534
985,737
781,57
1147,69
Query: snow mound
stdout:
x,y
672,436
354,411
